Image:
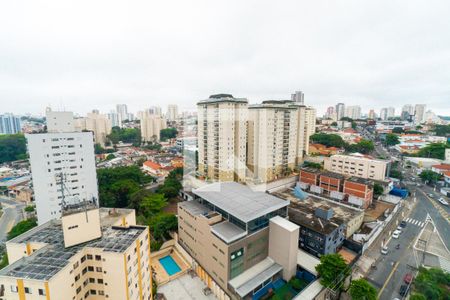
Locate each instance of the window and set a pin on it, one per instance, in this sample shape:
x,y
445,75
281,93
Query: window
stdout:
x,y
83,259
101,293
89,256
98,257
100,281
93,292
92,280
41,292
91,269
98,269
14,288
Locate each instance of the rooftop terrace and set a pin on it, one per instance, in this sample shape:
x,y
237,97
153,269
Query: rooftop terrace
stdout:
x,y
53,257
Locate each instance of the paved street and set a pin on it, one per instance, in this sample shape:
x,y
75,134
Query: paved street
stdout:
x,y
12,214
390,269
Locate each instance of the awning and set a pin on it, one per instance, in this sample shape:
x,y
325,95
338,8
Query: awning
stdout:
x,y
246,282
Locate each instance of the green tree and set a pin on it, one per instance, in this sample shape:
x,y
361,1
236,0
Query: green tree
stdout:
x,y
398,130
429,176
152,204
363,146
29,208
417,296
334,124
168,133
432,283
332,270
125,135
392,139
442,130
377,190
360,289
121,192
4,260
110,156
434,150
21,227
312,165
172,184
162,224
329,140
12,147
395,174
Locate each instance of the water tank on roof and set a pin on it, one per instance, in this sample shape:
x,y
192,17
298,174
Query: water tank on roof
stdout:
x,y
299,193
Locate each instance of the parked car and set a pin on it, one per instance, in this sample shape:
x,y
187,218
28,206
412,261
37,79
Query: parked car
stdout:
x,y
430,195
403,290
408,278
396,234
403,224
442,200
399,228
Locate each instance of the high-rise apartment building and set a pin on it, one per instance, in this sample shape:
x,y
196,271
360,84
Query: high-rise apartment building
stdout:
x,y
408,108
372,114
298,97
172,112
98,123
272,139
222,137
90,253
353,112
114,119
390,112
9,124
310,129
330,112
122,113
340,111
154,110
384,114
151,126
62,165
419,113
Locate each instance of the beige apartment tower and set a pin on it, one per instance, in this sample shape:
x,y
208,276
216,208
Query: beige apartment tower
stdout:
x,y
222,137
151,125
99,124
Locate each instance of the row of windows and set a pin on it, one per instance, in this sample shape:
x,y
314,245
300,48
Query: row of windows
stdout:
x,y
28,290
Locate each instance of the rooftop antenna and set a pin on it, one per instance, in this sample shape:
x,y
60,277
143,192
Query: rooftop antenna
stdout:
x,y
67,206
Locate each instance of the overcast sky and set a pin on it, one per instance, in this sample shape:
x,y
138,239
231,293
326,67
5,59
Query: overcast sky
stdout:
x,y
81,55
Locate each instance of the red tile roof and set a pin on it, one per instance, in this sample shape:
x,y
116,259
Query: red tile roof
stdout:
x,y
442,167
152,165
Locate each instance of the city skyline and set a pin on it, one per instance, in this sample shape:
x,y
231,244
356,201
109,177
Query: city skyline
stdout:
x,y
144,55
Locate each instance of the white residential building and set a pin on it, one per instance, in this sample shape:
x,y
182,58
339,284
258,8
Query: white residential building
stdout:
x,y
151,126
114,118
62,166
353,112
419,112
122,113
154,110
357,165
172,112
298,97
222,137
340,111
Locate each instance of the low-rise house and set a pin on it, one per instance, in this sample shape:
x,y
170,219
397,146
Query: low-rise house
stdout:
x,y
153,168
441,168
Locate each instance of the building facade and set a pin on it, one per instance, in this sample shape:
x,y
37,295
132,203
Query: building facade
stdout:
x,y
62,166
98,123
172,112
419,113
357,165
151,126
113,265
10,124
226,231
222,137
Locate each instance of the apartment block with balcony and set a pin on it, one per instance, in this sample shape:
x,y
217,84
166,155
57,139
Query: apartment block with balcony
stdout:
x,y
272,140
357,165
88,254
226,231
222,137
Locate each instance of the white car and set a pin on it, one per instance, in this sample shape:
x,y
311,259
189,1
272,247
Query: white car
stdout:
x,y
396,234
442,200
399,228
384,250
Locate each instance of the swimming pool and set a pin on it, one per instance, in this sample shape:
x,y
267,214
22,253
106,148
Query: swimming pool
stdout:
x,y
169,265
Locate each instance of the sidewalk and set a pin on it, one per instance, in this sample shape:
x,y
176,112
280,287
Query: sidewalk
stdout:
x,y
371,255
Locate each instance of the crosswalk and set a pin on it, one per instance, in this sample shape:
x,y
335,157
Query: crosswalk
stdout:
x,y
415,222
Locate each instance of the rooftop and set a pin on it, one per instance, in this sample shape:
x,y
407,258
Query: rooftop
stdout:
x,y
360,180
332,175
311,170
302,212
222,98
53,257
239,200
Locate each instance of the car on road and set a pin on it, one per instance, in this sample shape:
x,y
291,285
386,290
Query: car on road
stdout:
x,y
403,290
396,234
419,185
384,250
403,224
407,278
399,228
430,195
442,201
